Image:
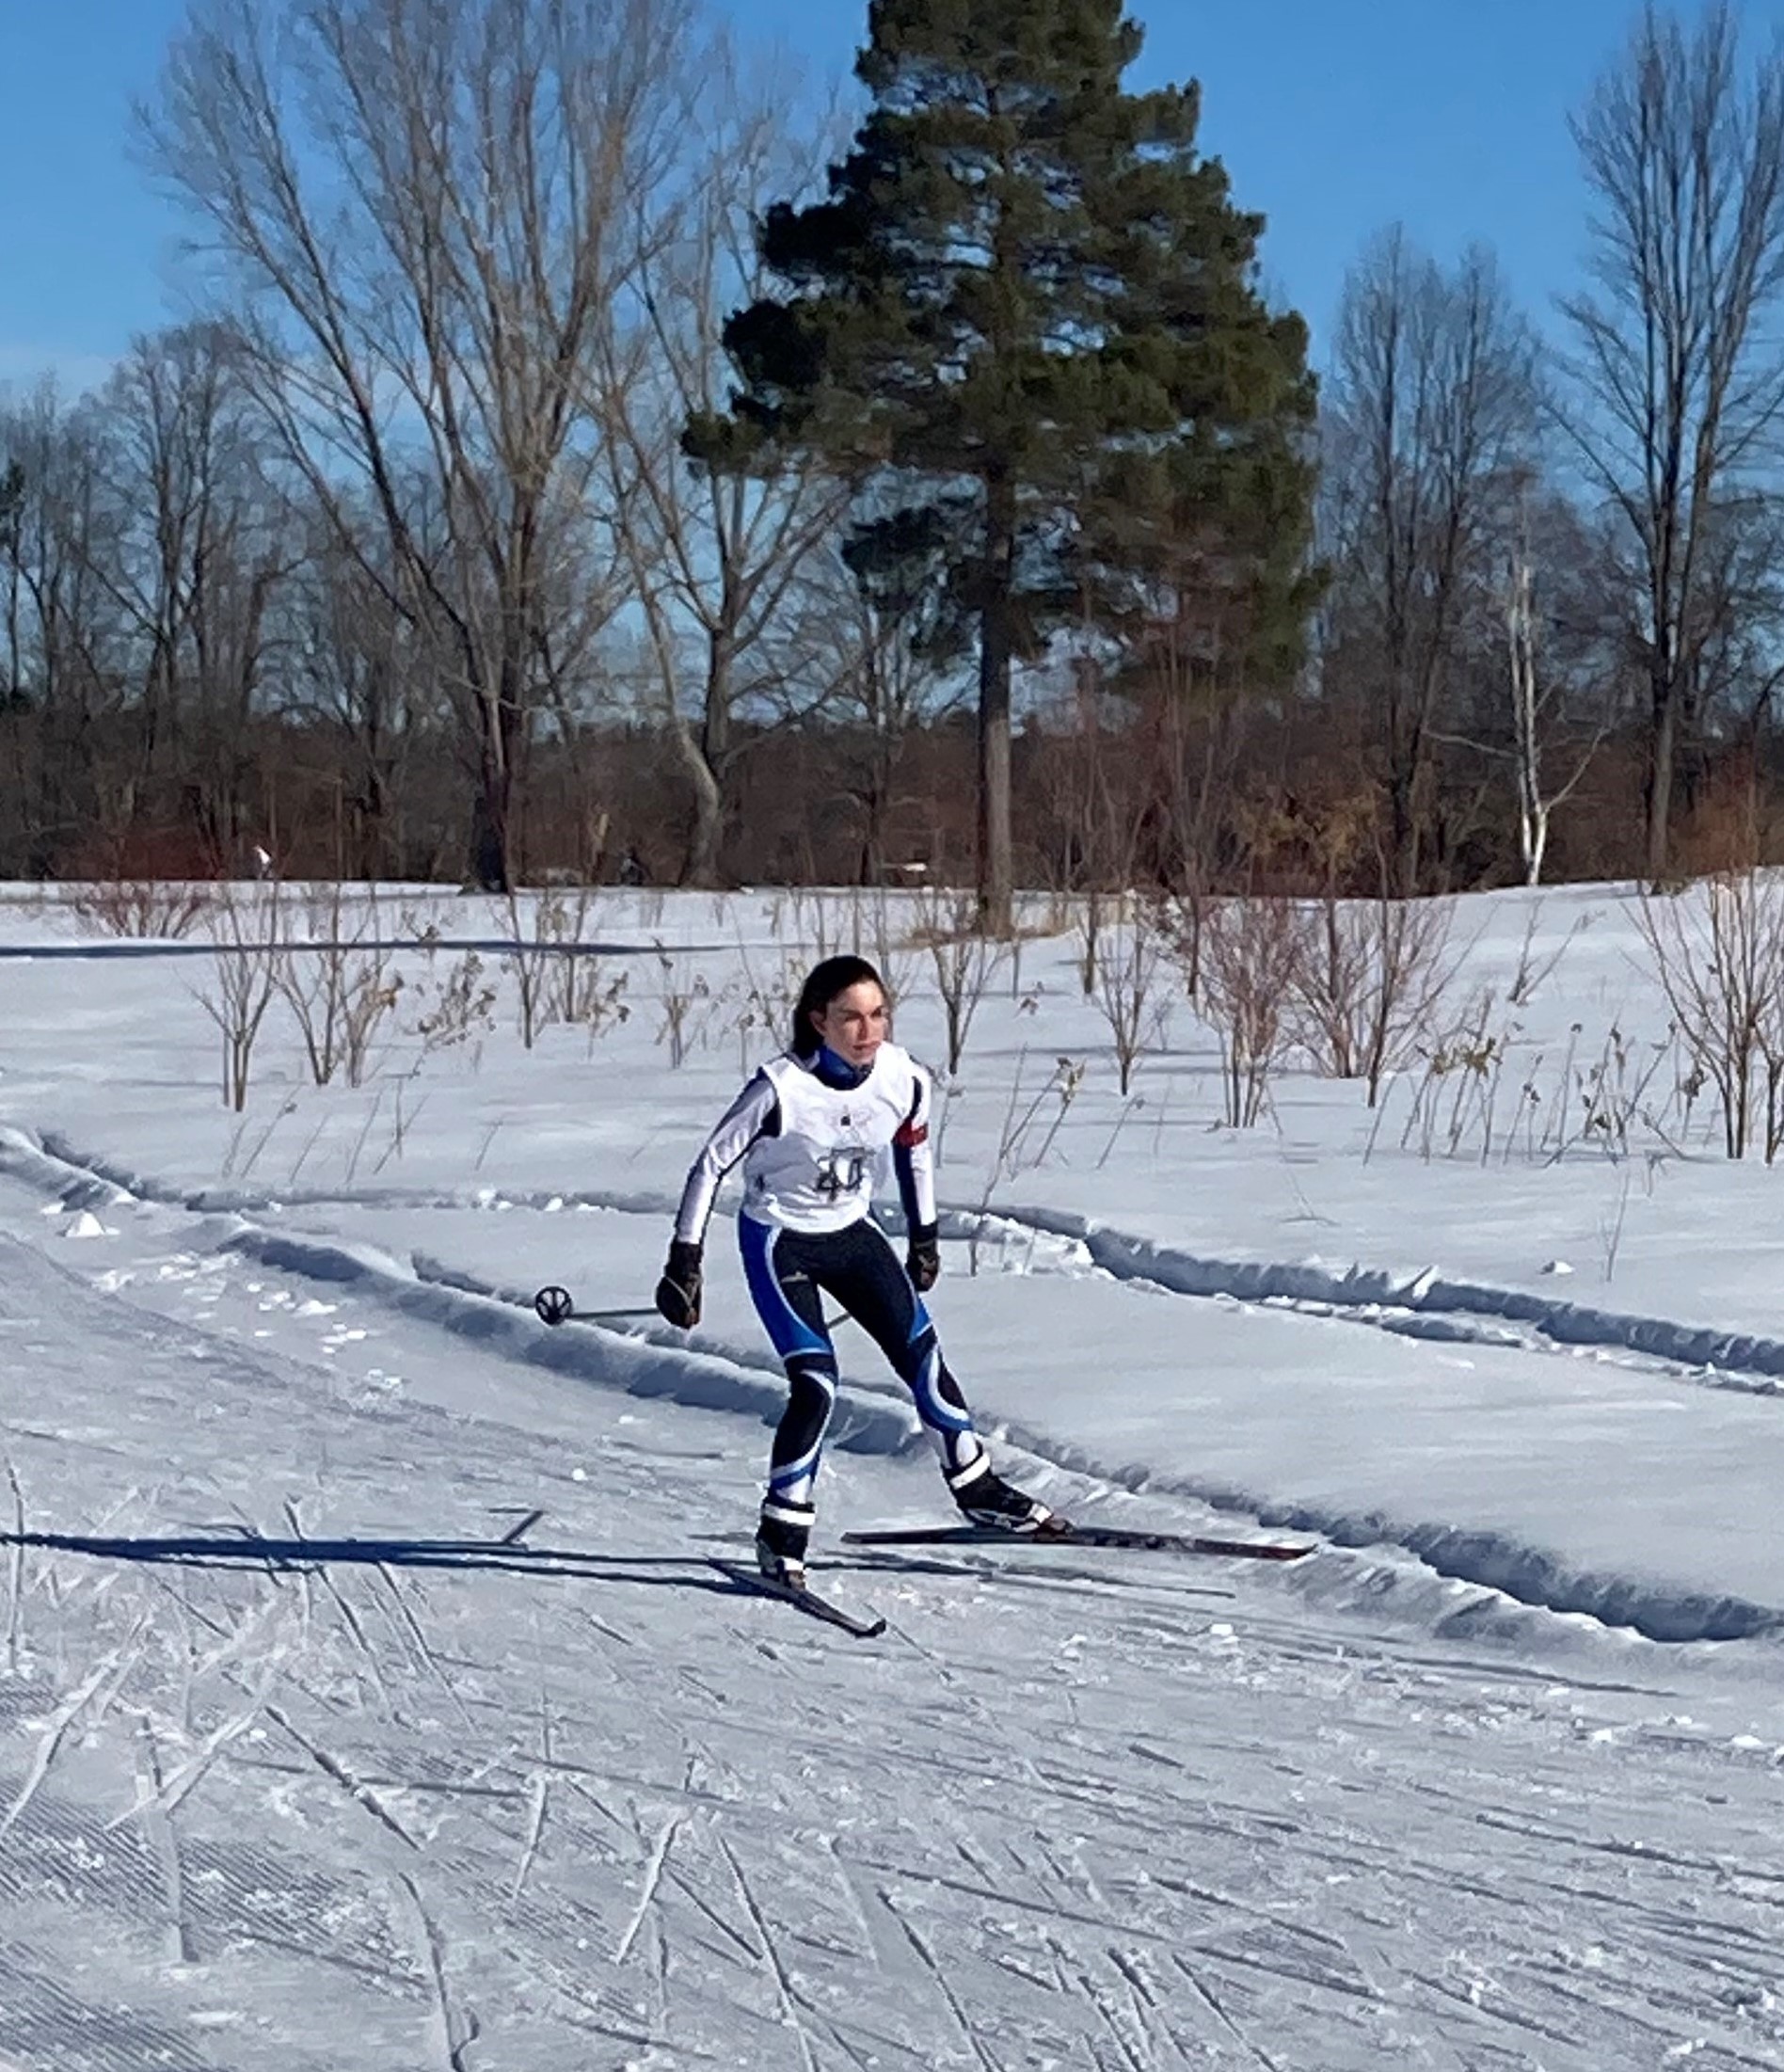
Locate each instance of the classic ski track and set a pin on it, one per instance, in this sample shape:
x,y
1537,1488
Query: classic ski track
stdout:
x,y
1503,1570
1378,1311
1439,1556
1366,1297
1291,1782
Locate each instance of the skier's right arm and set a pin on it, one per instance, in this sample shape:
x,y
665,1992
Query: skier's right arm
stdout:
x,y
754,1113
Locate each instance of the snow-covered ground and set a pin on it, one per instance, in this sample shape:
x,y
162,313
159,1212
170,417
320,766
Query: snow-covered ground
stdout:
x,y
302,1764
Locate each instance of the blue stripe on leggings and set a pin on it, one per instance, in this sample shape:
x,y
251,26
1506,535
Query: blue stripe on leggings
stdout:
x,y
786,1328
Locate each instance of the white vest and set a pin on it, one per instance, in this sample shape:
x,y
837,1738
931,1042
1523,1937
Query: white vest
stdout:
x,y
819,1171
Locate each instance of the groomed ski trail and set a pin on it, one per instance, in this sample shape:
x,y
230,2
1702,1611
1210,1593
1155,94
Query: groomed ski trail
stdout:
x,y
637,1820
1452,1542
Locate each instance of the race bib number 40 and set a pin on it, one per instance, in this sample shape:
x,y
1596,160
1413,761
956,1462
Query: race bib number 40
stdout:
x,y
840,1173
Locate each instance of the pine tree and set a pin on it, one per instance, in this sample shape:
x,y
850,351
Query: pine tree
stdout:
x,y
1026,320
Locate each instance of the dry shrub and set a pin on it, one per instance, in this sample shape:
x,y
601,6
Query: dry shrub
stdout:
x,y
1729,828
1318,843
338,982
1126,989
1718,952
144,907
1249,949
965,960
247,927
1368,983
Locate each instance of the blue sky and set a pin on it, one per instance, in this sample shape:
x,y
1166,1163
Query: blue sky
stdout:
x,y
1334,118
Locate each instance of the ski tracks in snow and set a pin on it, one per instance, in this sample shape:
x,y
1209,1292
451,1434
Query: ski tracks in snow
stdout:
x,y
503,1822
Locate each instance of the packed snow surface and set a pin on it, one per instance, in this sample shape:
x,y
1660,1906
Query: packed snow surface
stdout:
x,y
371,1696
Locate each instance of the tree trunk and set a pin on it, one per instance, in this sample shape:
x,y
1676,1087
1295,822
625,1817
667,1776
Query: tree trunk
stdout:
x,y
874,801
1535,842
1404,829
1657,793
708,827
490,854
706,756
488,836
995,872
701,866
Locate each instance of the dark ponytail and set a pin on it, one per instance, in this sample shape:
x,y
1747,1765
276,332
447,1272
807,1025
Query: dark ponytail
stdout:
x,y
834,976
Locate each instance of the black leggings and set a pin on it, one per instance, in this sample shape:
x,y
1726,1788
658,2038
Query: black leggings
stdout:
x,y
790,1273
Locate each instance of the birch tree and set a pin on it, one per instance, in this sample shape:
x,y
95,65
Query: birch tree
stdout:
x,y
1539,703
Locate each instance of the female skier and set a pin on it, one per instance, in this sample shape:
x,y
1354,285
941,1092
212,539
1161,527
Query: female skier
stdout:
x,y
812,1129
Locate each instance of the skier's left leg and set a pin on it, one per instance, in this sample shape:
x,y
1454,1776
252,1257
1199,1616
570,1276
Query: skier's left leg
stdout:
x,y
867,1276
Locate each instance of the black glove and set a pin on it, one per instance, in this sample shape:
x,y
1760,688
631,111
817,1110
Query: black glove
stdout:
x,y
679,1291
923,1260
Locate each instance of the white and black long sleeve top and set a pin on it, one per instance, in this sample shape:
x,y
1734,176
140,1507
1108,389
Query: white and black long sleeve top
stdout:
x,y
814,1136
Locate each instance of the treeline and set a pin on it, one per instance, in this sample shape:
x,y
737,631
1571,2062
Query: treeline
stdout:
x,y
594,462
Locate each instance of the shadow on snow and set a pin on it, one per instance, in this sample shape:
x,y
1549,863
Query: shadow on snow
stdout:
x,y
227,1548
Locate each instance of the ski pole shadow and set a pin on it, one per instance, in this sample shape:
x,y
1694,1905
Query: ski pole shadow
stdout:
x,y
237,1548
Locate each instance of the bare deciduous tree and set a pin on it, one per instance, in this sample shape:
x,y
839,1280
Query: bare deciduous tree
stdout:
x,y
866,628
715,551
63,636
417,203
1680,389
358,671
197,554
1432,402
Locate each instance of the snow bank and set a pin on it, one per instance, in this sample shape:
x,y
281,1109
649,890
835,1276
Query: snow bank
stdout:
x,y
1744,1359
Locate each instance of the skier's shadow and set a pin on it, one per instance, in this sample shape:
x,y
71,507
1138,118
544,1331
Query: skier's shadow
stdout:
x,y
238,1548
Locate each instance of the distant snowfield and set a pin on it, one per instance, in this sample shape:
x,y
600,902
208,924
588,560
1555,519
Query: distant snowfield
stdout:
x,y
301,1765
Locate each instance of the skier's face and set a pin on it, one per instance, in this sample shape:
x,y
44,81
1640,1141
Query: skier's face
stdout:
x,y
854,1024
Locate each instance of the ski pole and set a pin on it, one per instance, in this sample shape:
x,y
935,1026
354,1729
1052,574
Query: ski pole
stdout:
x,y
557,1305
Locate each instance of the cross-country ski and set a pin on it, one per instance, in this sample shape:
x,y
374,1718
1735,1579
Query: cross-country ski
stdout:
x,y
803,1597
1059,1532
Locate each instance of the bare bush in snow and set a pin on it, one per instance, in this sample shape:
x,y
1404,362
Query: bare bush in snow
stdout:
x,y
965,960
338,982
1249,951
686,999
1717,949
246,928
457,1010
163,908
1368,982
1126,989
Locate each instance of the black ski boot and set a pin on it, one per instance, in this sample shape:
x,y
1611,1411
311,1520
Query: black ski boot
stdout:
x,y
987,1499
781,1539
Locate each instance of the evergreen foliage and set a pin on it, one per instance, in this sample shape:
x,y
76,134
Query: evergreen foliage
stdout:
x,y
1025,322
